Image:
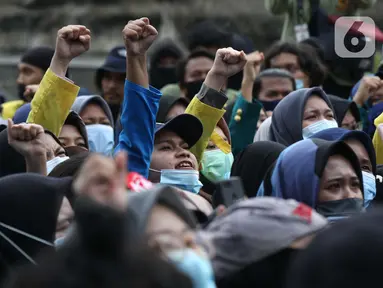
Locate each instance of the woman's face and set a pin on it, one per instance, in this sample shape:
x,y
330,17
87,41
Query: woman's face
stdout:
x,y
172,152
316,109
53,148
70,136
349,122
175,110
361,153
167,231
262,117
211,145
93,114
65,218
339,181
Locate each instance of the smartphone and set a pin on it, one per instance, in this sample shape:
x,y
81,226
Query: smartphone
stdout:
x,y
228,192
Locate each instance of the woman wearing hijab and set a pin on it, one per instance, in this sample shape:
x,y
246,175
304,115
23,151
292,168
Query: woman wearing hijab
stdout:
x,y
169,227
362,146
301,114
98,118
346,255
73,133
321,174
30,204
171,106
252,163
346,112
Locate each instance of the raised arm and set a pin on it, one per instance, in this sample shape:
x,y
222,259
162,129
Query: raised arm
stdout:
x,y
140,106
56,94
207,106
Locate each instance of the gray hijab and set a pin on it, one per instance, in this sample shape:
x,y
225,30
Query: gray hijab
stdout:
x,y
263,133
286,123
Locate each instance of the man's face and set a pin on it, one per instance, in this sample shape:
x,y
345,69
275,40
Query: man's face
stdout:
x,y
275,88
197,68
29,74
290,62
112,85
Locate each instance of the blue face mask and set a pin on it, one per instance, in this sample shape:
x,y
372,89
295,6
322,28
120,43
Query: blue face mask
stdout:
x,y
369,187
198,268
101,139
187,180
269,105
216,165
299,84
317,127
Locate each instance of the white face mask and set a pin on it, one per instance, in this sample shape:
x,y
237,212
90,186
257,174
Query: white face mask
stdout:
x,y
51,164
317,127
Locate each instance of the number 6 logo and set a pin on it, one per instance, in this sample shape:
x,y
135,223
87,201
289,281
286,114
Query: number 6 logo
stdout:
x,y
350,37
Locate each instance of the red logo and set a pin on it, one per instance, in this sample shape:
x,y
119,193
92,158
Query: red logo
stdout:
x,y
304,212
137,183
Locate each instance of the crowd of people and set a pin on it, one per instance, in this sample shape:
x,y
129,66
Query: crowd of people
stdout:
x,y
219,167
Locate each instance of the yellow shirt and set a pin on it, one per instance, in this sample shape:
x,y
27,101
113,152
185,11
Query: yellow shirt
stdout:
x,y
52,102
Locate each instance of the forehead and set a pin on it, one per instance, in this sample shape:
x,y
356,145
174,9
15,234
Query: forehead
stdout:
x,y
92,109
50,142
316,102
22,66
69,130
166,135
199,63
337,165
277,83
164,219
284,58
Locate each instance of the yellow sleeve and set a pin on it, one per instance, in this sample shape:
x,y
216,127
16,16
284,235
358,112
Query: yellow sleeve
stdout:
x,y
9,108
209,116
377,141
52,102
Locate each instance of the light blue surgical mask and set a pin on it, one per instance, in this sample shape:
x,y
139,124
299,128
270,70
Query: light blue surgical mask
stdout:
x,y
369,187
299,84
216,165
51,164
187,180
317,127
101,138
198,268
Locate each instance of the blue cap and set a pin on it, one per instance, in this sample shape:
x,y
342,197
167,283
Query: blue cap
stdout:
x,y
115,62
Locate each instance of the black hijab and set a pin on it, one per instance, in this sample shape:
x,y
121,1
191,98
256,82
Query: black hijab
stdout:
x,y
286,123
252,163
341,106
346,255
166,103
30,203
11,162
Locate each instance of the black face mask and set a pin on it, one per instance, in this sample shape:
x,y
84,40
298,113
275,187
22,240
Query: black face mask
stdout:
x,y
193,88
339,208
20,91
160,77
115,108
269,272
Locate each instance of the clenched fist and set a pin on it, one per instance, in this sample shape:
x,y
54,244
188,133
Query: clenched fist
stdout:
x,y
253,65
72,41
27,139
138,36
227,62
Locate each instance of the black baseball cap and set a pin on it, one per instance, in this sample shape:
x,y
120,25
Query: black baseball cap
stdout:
x,y
187,126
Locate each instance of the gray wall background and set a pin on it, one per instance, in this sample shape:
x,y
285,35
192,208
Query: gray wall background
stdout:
x,y
26,23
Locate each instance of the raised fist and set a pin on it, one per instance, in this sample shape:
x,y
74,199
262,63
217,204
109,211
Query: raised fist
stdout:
x,y
138,36
72,41
228,62
27,139
253,65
